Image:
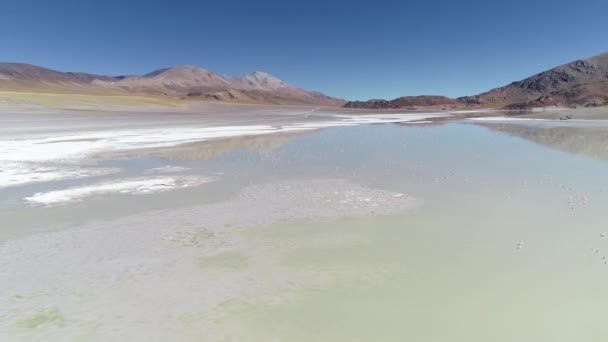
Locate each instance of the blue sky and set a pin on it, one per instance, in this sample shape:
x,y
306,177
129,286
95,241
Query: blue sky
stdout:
x,y
348,49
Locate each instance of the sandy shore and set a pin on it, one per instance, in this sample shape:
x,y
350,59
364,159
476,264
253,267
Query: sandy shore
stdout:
x,y
153,271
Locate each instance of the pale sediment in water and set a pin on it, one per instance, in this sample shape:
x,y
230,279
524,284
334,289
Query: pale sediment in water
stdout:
x,y
133,186
109,275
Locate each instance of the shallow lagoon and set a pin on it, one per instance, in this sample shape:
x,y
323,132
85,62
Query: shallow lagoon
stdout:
x,y
505,242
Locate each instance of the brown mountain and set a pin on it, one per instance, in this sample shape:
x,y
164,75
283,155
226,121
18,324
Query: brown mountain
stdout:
x,y
188,82
410,102
581,95
17,76
580,83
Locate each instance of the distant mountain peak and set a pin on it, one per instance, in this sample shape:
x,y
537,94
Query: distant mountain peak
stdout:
x,y
262,79
261,75
180,71
156,72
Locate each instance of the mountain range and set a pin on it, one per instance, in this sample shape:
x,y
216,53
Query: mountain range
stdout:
x,y
187,82
580,83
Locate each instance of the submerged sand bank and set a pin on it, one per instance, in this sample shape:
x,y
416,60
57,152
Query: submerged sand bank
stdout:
x,y
155,270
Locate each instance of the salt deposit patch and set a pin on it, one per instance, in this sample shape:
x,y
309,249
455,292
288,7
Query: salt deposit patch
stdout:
x,y
18,173
78,146
168,169
63,148
323,199
125,186
48,158
387,118
504,118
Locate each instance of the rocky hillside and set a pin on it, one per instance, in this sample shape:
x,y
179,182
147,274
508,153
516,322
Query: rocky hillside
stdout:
x,y
582,95
580,83
406,102
187,82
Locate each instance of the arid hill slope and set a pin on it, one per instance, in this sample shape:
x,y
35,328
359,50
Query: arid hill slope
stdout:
x,y
582,83
188,82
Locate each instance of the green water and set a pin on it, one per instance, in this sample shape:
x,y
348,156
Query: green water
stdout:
x,y
451,271
437,277
502,246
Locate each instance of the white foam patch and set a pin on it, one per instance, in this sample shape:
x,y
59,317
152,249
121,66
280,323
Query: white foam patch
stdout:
x,y
132,186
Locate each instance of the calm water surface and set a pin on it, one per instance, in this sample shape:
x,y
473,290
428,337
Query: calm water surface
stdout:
x,y
506,245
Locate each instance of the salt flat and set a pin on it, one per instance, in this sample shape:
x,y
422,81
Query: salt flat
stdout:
x,y
38,155
269,223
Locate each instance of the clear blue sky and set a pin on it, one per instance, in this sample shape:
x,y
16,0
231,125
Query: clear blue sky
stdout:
x,y
348,49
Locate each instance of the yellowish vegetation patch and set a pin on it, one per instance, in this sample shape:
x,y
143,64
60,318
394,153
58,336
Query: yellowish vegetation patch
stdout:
x,y
67,100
